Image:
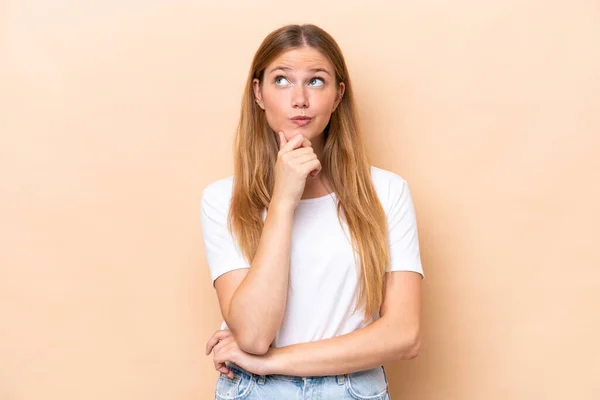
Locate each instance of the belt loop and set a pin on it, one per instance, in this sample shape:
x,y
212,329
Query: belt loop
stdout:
x,y
340,379
260,380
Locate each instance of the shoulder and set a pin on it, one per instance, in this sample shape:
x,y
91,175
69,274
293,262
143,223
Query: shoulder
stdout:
x,y
383,177
218,193
389,186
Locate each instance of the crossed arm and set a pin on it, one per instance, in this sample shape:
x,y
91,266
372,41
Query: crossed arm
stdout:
x,y
394,336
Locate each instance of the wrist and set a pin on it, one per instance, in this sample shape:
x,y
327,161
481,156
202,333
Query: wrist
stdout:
x,y
274,362
281,207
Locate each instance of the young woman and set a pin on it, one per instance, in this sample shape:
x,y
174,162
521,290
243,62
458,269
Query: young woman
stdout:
x,y
312,251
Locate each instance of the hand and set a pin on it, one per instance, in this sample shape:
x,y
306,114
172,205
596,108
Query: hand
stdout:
x,y
226,349
296,161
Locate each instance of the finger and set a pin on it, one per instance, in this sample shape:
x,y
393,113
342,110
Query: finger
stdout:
x,y
226,371
305,157
221,343
223,369
221,365
290,144
282,140
314,167
301,153
316,171
218,335
295,142
306,143
210,344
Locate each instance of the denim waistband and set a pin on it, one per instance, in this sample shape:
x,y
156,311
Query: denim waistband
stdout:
x,y
260,379
368,384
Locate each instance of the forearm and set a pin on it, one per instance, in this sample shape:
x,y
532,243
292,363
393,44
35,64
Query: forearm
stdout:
x,y
365,348
257,306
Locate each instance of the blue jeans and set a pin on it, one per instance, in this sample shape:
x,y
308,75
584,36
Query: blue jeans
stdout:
x,y
370,384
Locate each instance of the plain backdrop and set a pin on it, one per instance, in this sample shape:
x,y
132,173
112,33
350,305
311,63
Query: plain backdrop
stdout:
x,y
114,116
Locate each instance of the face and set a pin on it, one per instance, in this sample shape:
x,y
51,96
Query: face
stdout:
x,y
299,83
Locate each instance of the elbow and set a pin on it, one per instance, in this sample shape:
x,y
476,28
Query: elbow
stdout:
x,y
410,347
413,350
250,340
253,345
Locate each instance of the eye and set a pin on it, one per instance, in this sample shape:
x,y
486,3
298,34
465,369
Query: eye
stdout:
x,y
277,79
316,78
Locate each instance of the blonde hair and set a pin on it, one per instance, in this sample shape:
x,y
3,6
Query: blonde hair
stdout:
x,y
345,165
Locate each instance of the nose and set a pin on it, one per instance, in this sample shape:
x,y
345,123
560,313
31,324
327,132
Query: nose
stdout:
x,y
299,97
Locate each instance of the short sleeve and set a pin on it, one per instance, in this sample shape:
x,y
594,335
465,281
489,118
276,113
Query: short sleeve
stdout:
x,y
222,252
403,237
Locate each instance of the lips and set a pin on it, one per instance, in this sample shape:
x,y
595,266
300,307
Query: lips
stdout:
x,y
301,121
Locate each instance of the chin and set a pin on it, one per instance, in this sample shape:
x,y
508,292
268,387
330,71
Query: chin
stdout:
x,y
307,134
307,130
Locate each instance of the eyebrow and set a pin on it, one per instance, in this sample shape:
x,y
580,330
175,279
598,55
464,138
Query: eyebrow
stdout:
x,y
291,69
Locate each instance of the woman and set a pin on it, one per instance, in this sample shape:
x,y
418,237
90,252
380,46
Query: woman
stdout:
x,y
313,253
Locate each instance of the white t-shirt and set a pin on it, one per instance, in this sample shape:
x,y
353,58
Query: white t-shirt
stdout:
x,y
323,284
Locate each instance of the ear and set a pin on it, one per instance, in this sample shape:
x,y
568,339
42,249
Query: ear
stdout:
x,y
340,94
257,93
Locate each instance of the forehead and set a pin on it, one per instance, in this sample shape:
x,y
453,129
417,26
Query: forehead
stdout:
x,y
303,58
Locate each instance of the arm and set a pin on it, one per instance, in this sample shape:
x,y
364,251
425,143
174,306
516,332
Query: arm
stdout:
x,y
253,300
394,336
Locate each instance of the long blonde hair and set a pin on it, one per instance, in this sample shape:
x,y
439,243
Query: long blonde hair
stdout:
x,y
345,165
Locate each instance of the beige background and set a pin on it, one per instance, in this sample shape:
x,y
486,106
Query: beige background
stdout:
x,y
115,115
